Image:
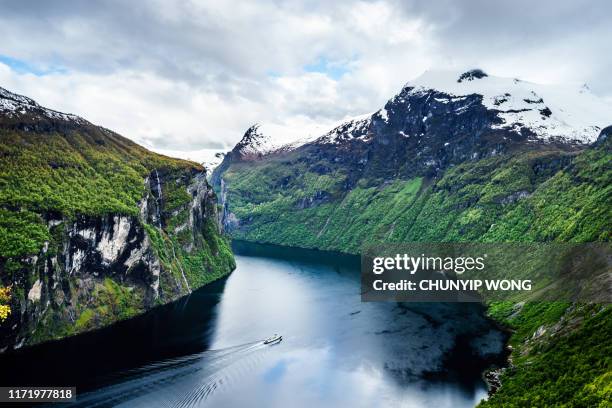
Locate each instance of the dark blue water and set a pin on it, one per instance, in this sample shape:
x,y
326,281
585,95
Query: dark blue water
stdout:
x,y
207,349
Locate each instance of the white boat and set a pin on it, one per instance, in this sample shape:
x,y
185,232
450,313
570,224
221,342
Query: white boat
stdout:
x,y
274,339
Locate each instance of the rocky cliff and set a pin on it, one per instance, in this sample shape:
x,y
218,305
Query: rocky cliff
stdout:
x,y
94,228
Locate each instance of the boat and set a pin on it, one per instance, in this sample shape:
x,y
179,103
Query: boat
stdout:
x,y
274,339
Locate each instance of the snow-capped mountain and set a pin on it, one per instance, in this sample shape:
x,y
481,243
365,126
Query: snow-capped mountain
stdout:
x,y
550,112
255,143
453,104
262,139
18,107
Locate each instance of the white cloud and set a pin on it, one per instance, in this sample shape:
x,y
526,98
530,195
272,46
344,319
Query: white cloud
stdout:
x,y
164,114
194,75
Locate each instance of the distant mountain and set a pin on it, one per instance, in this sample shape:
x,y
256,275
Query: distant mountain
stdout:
x,y
540,112
536,113
439,121
260,140
209,158
442,119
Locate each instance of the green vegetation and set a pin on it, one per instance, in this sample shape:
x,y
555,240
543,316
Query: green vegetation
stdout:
x,y
21,232
5,297
542,195
212,261
87,171
570,366
111,301
527,197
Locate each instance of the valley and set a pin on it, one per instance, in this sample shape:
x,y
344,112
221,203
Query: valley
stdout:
x,y
452,158
95,231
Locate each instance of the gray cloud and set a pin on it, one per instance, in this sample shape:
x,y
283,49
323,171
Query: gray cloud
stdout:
x,y
537,36
189,75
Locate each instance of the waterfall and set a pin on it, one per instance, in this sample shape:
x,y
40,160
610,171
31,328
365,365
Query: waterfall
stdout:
x,y
158,199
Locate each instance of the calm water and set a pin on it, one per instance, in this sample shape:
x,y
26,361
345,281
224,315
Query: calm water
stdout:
x,y
207,349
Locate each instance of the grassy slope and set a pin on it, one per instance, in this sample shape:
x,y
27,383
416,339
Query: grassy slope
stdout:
x,y
568,198
94,172
86,172
470,203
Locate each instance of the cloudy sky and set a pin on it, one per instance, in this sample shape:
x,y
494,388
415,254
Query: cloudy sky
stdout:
x,y
191,75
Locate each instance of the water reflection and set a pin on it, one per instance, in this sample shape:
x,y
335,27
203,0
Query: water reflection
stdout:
x,y
336,351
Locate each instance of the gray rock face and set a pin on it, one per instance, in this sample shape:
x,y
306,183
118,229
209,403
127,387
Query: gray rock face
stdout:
x,y
227,219
69,274
91,248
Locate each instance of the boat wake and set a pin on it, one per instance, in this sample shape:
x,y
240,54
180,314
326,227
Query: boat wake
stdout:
x,y
186,381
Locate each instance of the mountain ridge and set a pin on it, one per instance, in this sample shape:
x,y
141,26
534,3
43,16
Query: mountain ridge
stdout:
x,y
518,105
15,106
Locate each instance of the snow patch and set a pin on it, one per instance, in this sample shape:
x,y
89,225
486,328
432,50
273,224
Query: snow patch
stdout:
x,y
356,128
14,105
383,114
563,113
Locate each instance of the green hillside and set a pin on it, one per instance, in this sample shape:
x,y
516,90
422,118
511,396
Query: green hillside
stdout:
x,y
532,195
52,179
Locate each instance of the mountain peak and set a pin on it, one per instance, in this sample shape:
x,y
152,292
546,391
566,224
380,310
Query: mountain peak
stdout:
x,y
261,139
452,105
15,106
256,143
251,143
471,75
548,112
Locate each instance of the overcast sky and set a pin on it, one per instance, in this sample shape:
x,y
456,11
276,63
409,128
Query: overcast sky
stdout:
x,y
194,75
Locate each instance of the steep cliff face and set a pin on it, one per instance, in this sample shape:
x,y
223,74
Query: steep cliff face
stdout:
x,y
94,228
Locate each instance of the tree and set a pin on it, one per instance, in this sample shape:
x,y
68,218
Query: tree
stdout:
x,y
5,297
